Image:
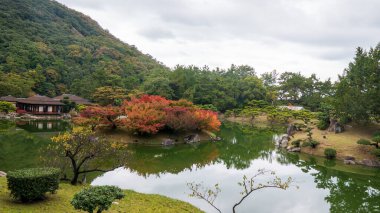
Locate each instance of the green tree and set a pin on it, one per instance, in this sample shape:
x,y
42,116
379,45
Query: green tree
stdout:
x,y
358,91
158,86
108,95
15,85
251,113
82,147
7,107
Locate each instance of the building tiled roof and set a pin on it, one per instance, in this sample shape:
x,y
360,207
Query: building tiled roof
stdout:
x,y
8,98
74,98
39,99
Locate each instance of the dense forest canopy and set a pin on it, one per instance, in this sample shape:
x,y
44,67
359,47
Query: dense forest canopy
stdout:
x,y
49,49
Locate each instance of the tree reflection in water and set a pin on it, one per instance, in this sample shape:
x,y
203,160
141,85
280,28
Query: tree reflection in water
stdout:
x,y
348,191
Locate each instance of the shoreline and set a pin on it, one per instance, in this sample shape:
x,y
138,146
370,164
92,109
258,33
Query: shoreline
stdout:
x,y
344,143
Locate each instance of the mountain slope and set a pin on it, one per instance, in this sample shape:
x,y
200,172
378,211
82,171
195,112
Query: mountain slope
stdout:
x,y
49,49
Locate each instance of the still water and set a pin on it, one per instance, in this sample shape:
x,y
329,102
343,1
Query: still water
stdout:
x,y
323,186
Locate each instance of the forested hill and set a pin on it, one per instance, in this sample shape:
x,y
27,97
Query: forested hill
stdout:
x,y
49,49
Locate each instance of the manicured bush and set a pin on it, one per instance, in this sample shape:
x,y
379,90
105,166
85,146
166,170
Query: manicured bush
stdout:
x,y
376,139
377,133
312,143
323,125
330,153
296,143
376,152
363,142
345,120
32,184
98,198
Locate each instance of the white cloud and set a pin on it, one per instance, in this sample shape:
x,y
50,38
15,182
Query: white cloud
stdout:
x,y
288,35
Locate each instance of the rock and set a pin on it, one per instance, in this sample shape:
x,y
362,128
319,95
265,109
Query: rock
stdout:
x,y
335,126
216,139
284,143
3,174
285,136
194,138
28,116
66,116
371,163
338,128
294,149
291,130
282,140
12,114
167,142
349,158
349,162
115,203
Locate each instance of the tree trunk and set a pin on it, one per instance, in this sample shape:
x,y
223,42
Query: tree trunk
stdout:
x,y
332,125
74,180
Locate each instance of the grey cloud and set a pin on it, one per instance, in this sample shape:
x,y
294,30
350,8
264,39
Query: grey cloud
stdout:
x,y
155,33
342,54
325,29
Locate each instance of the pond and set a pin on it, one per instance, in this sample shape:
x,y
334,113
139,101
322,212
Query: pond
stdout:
x,y
323,185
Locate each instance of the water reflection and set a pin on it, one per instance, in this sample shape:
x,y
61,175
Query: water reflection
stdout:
x,y
43,125
324,185
20,148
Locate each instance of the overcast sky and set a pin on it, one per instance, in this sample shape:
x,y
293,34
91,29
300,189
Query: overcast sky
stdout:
x,y
287,35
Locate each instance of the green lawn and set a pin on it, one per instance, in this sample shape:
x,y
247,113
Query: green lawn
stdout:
x,y
60,202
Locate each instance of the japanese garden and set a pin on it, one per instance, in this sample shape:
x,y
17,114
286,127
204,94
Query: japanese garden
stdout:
x,y
89,123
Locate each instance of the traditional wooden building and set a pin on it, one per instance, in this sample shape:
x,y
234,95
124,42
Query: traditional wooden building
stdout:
x,y
73,98
9,99
40,105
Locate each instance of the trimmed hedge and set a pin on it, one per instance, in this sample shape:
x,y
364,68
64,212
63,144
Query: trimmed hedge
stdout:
x,y
312,143
330,153
32,184
376,152
363,142
97,197
296,143
323,125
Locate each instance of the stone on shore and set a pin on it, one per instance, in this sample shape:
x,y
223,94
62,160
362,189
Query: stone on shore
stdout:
x,y
194,138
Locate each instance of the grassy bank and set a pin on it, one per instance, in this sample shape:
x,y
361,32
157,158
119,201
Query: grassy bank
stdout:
x,y
344,143
60,202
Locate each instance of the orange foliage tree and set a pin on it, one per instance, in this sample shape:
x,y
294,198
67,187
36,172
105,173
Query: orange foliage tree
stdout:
x,y
180,118
99,116
148,114
145,115
207,120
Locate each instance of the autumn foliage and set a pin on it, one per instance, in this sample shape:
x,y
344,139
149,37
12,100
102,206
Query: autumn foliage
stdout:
x,y
97,116
145,115
150,114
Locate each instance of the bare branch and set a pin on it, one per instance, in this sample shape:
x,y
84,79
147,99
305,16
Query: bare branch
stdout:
x,y
248,184
208,195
